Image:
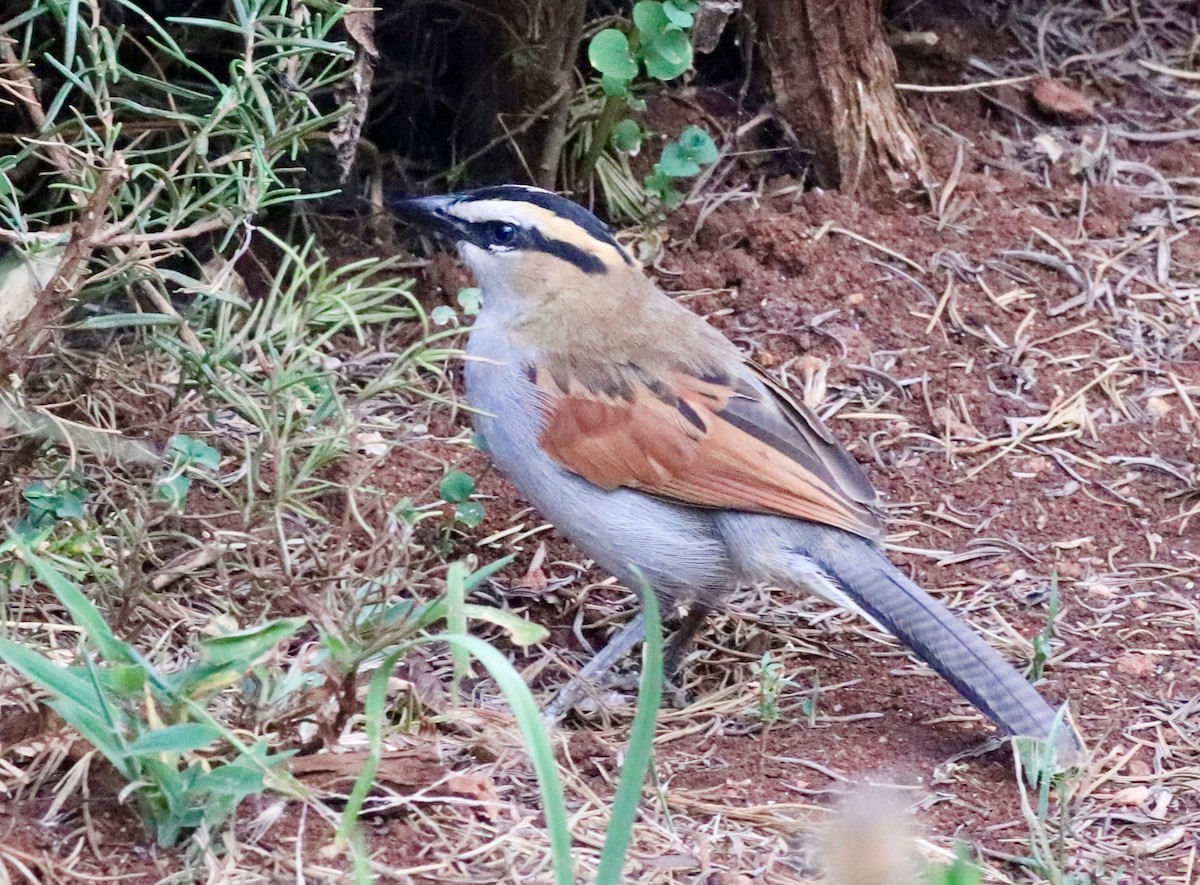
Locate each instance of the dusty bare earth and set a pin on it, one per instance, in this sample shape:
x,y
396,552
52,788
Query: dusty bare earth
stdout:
x,y
1016,361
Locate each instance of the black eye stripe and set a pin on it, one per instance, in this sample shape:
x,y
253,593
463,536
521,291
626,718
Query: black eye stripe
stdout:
x,y
559,205
582,259
515,239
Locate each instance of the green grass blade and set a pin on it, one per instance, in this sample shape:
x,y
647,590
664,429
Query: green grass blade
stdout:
x,y
541,753
640,751
373,712
456,621
80,608
182,738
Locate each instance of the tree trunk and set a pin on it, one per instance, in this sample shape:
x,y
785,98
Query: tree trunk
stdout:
x,y
833,76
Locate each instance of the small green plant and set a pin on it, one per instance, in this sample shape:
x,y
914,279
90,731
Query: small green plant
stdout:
x,y
186,453
457,488
152,133
46,504
153,725
1043,643
682,158
963,870
414,621
771,684
470,300
656,42
812,701
1041,777
269,361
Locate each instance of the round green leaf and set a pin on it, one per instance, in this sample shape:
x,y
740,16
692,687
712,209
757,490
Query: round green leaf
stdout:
x,y
668,55
678,17
651,19
469,513
610,55
442,315
470,300
456,486
69,506
699,145
676,163
627,136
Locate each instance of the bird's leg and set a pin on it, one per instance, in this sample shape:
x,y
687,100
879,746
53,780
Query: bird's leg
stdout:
x,y
681,642
619,646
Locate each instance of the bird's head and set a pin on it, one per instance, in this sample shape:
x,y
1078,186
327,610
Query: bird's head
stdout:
x,y
512,236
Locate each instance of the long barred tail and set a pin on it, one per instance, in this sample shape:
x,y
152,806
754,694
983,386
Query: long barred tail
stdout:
x,y
937,636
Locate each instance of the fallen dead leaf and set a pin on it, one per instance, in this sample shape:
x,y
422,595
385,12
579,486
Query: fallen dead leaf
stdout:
x,y
1057,99
1131,796
471,785
1159,843
1134,664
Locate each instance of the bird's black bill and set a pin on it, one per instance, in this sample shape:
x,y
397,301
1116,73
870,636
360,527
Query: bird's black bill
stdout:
x,y
429,213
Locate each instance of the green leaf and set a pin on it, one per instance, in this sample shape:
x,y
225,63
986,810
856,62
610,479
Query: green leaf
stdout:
x,y
470,514
536,738
182,738
522,632
614,87
64,682
236,781
124,680
85,615
609,54
668,55
96,731
442,315
470,300
676,163
456,487
627,136
678,16
64,501
70,505
651,20
188,450
126,320
174,490
640,752
699,145
657,182
246,646
484,572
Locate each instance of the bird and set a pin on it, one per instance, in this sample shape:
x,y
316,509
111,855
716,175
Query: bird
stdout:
x,y
666,455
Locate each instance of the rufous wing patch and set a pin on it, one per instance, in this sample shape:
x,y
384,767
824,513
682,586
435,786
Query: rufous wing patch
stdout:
x,y
668,438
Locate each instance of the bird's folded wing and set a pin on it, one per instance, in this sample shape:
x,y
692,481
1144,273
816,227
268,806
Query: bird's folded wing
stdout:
x,y
711,441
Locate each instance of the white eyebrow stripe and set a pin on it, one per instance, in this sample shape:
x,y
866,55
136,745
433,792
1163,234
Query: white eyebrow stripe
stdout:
x,y
512,211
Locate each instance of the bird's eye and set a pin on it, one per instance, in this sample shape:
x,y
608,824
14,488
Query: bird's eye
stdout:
x,y
501,233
